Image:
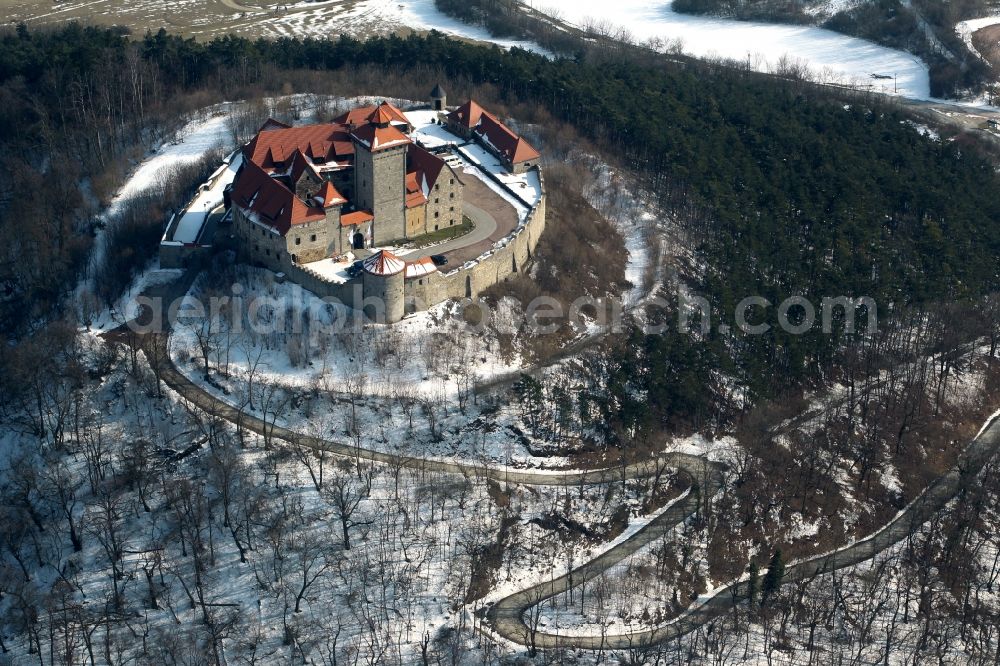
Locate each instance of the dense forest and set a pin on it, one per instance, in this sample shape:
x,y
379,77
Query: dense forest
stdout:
x,y
925,28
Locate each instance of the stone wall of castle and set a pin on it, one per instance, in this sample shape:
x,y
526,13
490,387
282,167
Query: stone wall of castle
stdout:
x,y
495,266
383,297
310,241
258,244
416,221
444,202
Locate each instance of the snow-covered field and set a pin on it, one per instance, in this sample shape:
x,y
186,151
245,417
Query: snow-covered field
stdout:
x,y
835,58
207,130
966,29
322,19
431,354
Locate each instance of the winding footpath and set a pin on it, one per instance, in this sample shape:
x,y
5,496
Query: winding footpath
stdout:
x,y
506,618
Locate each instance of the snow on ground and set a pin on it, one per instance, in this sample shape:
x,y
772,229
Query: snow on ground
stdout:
x,y
540,570
471,158
427,132
208,130
209,197
698,445
373,17
966,29
464,165
126,307
330,269
526,186
924,130
318,341
834,57
636,218
828,8
837,57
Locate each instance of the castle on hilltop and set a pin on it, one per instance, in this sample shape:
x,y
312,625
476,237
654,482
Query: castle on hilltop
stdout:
x,y
317,191
371,207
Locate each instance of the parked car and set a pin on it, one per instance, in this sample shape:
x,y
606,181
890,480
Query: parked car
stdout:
x,y
354,270
439,259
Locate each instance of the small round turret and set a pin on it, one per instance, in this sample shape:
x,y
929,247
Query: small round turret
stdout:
x,y
383,287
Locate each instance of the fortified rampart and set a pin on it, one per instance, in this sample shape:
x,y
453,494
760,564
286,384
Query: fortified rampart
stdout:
x,y
509,256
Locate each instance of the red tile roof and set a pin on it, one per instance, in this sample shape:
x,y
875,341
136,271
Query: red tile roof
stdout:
x,y
420,267
329,196
323,142
362,114
414,199
357,217
269,202
472,116
509,144
467,115
379,138
381,116
426,165
271,123
384,262
301,165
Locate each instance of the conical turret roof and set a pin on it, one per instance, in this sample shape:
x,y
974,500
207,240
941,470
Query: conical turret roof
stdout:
x,y
384,262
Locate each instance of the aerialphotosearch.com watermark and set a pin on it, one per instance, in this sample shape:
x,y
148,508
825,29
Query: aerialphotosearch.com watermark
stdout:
x,y
242,310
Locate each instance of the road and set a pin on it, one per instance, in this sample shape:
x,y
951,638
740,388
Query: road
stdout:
x,y
485,225
506,617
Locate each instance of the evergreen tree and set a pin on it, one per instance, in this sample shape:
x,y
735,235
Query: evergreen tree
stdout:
x,y
772,579
753,585
529,394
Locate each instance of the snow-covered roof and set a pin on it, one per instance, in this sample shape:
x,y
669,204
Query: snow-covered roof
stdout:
x,y
420,268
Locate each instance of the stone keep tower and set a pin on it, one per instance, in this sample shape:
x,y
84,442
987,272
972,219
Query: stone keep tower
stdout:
x,y
380,175
383,287
439,98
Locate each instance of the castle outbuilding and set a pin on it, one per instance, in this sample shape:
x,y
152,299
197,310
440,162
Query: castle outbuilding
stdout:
x,y
439,98
472,121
